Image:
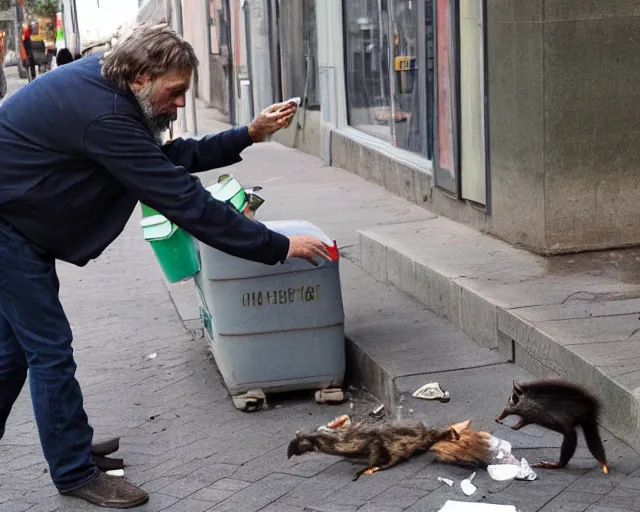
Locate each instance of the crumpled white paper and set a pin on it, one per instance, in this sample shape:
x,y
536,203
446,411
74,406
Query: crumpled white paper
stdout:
x,y
446,481
463,506
504,466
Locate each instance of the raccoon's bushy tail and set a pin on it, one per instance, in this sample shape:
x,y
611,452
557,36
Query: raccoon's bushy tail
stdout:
x,y
471,449
594,443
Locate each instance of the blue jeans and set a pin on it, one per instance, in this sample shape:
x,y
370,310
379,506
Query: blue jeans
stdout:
x,y
35,335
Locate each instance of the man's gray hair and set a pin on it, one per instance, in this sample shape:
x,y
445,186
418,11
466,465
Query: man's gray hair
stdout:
x,y
151,50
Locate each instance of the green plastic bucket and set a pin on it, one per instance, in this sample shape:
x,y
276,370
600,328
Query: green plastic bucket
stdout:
x,y
147,211
174,248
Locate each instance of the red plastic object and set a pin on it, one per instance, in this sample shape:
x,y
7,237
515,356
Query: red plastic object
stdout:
x,y
333,251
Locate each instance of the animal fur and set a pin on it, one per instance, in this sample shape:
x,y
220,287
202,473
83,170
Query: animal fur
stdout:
x,y
560,406
381,446
471,449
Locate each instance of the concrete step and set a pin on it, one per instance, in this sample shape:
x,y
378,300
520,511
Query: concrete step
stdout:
x,y
577,317
391,336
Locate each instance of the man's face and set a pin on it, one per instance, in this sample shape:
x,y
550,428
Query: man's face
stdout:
x,y
161,98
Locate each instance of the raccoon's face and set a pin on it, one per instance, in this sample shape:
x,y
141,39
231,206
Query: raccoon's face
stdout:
x,y
299,446
515,398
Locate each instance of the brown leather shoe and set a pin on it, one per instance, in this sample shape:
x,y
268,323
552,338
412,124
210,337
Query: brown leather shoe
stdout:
x,y
110,492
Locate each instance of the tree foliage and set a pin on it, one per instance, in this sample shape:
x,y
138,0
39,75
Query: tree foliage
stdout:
x,y
44,8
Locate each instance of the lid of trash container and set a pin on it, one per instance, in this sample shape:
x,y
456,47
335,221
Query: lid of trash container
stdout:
x,y
219,265
298,227
156,227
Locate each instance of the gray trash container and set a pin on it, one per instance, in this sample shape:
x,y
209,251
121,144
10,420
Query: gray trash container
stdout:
x,y
273,328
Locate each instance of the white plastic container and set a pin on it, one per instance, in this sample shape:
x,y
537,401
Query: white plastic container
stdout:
x,y
276,328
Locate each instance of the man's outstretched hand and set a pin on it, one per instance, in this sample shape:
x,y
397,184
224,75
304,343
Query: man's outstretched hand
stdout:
x,y
272,119
307,247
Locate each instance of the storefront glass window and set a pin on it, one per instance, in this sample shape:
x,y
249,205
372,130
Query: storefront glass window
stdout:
x,y
385,45
367,66
445,175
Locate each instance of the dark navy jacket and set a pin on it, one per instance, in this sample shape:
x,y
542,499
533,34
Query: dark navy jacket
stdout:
x,y
76,156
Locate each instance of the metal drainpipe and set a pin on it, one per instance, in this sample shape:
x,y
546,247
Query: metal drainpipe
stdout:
x,y
19,11
76,28
178,27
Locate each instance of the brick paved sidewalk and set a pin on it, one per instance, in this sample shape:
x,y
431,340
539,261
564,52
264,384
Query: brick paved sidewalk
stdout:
x,y
184,442
14,82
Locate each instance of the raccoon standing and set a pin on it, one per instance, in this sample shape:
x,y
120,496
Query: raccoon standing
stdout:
x,y
382,446
559,406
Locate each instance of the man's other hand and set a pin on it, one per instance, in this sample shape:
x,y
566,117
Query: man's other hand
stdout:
x,y
307,247
272,119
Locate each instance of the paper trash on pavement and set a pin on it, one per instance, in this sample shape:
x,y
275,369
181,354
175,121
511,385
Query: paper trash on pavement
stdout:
x,y
504,466
445,481
463,506
467,487
432,391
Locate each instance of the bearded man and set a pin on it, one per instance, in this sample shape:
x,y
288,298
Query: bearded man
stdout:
x,y
79,147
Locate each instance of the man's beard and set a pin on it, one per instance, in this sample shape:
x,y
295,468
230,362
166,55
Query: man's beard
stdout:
x,y
157,123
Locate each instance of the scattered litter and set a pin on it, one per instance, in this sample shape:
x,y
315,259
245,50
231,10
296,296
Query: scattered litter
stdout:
x,y
329,396
335,424
446,481
503,472
340,421
504,466
116,472
351,405
411,411
500,449
526,473
151,356
463,506
467,487
432,391
377,412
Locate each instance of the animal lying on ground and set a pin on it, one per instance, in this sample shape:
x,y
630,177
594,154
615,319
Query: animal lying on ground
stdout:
x,y
471,449
382,446
560,406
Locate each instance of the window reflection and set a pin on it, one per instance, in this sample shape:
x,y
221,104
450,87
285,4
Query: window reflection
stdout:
x,y
387,93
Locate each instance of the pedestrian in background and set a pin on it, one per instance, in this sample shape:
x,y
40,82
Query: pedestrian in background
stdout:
x,y
63,57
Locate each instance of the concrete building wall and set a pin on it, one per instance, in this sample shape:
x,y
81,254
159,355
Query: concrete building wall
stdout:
x,y
218,83
564,123
194,18
592,130
298,56
516,116
563,137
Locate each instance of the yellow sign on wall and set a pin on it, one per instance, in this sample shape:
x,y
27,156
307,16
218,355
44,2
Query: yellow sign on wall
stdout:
x,y
404,63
